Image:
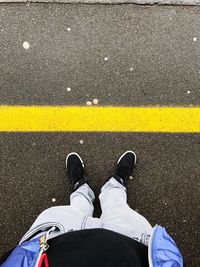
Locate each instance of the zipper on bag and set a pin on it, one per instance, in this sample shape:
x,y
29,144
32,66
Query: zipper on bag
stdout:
x,y
43,247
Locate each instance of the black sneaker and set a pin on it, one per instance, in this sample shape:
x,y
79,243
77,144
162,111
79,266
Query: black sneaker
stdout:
x,y
125,166
75,170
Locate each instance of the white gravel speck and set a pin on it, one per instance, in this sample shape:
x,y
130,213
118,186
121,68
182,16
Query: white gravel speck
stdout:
x,y
131,69
81,142
69,89
95,101
26,45
188,92
69,29
106,58
131,177
89,103
194,39
53,200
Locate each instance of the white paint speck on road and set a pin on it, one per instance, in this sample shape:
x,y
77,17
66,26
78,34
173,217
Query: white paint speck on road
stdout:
x,y
26,45
131,177
95,101
81,142
89,103
53,200
194,39
69,29
69,89
106,58
131,69
188,92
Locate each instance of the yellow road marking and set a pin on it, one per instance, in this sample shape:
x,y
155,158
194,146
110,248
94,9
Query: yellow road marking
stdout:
x,y
96,119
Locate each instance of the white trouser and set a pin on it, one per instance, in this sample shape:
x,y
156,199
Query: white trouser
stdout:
x,y
116,215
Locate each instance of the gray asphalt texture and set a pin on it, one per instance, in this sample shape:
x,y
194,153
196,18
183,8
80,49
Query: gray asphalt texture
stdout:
x,y
153,59
113,2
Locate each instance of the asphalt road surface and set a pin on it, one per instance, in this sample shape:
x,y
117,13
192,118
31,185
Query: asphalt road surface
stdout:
x,y
122,55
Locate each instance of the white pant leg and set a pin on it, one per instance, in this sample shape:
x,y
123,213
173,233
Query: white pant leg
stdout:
x,y
82,199
65,218
118,216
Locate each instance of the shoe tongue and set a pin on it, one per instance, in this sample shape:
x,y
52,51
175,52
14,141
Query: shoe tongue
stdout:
x,y
123,171
78,172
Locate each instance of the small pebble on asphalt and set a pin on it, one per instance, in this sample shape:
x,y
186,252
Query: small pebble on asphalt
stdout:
x,y
95,101
81,142
26,45
53,200
69,89
89,103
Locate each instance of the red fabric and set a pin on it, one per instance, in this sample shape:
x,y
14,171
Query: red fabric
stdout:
x,y
43,260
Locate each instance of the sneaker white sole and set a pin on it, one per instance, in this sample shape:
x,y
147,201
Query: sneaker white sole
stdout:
x,y
128,151
74,153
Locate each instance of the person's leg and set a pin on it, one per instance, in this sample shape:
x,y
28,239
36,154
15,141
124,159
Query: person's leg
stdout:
x,y
113,196
113,193
116,214
83,197
73,216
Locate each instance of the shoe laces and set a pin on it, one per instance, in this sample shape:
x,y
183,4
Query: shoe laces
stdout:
x,y
78,172
123,171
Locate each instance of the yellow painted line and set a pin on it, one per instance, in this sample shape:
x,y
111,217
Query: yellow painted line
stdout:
x,y
99,119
